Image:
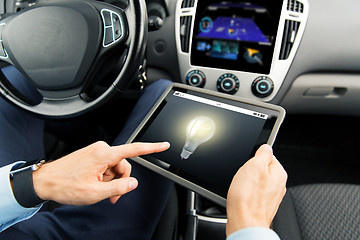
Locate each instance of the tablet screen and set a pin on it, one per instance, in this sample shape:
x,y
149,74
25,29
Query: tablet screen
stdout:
x,y
210,137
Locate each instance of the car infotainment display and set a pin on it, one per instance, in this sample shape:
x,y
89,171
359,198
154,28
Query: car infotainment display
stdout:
x,y
211,136
235,35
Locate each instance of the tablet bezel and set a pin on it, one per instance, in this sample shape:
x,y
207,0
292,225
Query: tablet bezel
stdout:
x,y
180,180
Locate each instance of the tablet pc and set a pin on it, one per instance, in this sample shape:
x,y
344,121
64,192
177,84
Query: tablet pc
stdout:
x,y
211,135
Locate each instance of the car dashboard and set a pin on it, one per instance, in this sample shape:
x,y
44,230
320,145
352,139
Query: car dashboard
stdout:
x,y
293,53
244,49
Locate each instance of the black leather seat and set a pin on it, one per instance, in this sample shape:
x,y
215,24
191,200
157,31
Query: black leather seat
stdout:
x,y
319,211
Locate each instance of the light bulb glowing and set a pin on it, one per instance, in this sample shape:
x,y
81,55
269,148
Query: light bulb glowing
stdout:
x,y
198,131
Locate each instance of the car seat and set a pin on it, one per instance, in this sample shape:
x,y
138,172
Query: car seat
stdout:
x,y
319,211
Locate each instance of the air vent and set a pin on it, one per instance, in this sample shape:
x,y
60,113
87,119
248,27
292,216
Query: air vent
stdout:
x,y
185,26
187,3
295,6
290,30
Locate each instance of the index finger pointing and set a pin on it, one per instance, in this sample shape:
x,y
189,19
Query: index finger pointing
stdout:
x,y
136,149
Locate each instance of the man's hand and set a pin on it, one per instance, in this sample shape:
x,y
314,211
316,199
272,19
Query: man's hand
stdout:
x,y
91,174
256,192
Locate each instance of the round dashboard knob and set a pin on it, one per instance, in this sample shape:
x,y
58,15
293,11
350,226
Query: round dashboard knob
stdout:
x,y
262,87
196,78
228,83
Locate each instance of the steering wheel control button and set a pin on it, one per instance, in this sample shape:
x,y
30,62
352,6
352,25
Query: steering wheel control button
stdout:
x,y
108,36
196,78
107,18
113,27
228,83
262,87
117,26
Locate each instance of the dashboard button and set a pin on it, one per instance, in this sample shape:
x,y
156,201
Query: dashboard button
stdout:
x,y
262,87
228,83
196,78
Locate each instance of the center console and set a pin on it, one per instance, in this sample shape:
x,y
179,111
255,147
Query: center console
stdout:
x,y
244,48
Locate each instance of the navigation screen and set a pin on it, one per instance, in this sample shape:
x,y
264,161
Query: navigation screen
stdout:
x,y
235,35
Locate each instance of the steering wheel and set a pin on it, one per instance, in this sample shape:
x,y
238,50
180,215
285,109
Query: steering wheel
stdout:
x,y
77,53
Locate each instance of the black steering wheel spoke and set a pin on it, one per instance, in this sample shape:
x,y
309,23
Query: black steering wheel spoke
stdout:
x,y
67,47
28,96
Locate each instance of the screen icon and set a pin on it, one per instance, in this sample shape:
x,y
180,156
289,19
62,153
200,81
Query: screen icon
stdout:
x,y
201,46
206,24
231,31
216,46
253,56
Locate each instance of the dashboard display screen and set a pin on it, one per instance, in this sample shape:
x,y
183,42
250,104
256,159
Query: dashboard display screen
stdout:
x,y
235,35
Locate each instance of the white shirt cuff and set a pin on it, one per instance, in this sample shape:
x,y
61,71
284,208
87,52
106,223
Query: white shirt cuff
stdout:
x,y
254,233
11,211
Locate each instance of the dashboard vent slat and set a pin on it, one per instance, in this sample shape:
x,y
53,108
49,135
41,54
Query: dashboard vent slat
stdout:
x,y
290,31
295,6
185,27
187,3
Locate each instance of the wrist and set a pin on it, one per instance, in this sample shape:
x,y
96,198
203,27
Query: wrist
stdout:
x,y
41,187
22,184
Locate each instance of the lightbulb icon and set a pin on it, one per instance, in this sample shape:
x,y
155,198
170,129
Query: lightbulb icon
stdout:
x,y
198,131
